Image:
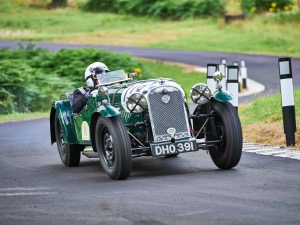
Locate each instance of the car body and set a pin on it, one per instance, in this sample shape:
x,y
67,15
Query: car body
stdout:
x,y
126,118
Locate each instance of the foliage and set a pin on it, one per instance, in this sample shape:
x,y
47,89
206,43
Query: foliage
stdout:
x,y
258,6
31,78
25,89
285,17
170,9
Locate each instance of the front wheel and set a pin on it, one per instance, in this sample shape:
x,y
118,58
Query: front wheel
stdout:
x,y
228,130
69,154
113,147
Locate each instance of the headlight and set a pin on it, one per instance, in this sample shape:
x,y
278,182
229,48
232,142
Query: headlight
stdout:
x,y
200,94
136,103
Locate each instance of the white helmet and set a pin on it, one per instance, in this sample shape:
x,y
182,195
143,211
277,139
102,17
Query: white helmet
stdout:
x,y
91,72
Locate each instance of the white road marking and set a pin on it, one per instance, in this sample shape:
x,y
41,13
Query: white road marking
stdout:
x,y
25,191
272,151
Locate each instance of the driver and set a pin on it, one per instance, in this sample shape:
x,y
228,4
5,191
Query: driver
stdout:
x,y
80,95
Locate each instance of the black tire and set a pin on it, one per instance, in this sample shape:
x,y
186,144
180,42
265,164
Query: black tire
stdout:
x,y
113,147
227,123
69,154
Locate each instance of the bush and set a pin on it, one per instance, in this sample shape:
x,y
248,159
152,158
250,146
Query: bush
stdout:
x,y
167,9
25,89
287,17
258,6
32,78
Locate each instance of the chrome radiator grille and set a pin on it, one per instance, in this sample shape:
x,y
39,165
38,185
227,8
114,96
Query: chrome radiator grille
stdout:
x,y
168,115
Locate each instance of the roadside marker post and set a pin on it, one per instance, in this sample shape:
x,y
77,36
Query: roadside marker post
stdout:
x,y
287,99
211,69
243,70
239,75
233,84
223,61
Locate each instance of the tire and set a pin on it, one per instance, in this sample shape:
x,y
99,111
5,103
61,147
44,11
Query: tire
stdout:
x,y
228,127
69,154
113,147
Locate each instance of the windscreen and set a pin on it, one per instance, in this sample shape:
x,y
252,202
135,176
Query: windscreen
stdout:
x,y
112,76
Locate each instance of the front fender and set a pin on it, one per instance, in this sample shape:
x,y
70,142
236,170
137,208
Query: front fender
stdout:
x,y
107,111
103,110
222,96
64,113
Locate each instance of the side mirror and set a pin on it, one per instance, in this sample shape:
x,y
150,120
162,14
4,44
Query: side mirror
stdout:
x,y
133,74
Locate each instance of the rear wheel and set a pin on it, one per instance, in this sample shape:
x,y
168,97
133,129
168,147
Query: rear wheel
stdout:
x,y
69,154
227,153
113,147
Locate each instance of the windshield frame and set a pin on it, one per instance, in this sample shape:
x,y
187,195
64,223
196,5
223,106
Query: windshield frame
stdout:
x,y
112,77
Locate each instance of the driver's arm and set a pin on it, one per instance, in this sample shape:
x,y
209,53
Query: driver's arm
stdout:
x,y
80,97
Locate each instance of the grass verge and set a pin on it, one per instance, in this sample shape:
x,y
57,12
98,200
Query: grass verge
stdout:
x,y
260,34
262,121
14,117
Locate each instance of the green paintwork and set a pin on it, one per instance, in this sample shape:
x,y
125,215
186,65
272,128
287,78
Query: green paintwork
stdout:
x,y
107,111
72,123
65,116
222,96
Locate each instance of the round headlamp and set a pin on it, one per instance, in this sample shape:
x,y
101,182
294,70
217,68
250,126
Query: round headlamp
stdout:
x,y
136,103
200,94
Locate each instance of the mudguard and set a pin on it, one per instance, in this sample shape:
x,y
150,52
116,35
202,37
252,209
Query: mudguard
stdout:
x,y
107,110
222,96
64,112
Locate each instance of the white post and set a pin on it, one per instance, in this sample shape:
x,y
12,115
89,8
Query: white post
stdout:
x,y
233,84
243,70
211,69
287,99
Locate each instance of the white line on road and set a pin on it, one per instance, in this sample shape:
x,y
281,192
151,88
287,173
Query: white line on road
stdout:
x,y
25,191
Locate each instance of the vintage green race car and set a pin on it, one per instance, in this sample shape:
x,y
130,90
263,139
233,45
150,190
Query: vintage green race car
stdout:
x,y
126,118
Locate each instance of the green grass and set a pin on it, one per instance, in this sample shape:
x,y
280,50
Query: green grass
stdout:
x,y
262,120
23,116
261,34
257,111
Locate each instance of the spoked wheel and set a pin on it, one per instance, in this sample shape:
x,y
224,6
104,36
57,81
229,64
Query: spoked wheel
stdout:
x,y
113,147
227,152
69,154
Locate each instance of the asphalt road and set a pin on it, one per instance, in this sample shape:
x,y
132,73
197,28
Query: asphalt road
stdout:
x,y
261,68
35,187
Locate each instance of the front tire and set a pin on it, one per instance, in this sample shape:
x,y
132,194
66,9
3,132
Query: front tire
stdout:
x,y
227,153
113,147
69,154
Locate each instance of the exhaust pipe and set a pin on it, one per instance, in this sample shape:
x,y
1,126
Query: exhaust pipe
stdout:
x,y
89,152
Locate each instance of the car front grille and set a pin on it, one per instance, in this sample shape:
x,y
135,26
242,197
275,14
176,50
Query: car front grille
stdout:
x,y
168,115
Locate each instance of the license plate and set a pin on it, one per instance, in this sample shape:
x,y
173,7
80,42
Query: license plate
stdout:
x,y
173,148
